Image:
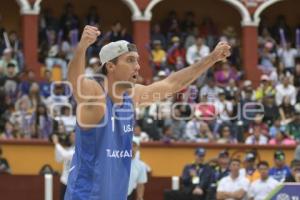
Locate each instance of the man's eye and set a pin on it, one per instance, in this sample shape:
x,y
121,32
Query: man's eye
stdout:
x,y
131,60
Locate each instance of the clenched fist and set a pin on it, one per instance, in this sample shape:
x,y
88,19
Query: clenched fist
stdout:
x,y
221,51
89,36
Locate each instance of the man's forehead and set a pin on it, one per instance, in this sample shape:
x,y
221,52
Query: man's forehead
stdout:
x,y
130,54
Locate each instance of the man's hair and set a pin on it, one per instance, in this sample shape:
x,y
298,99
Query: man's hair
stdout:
x,y
235,160
11,65
104,69
263,163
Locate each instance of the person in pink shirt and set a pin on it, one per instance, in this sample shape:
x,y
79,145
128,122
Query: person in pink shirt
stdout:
x,y
224,75
282,139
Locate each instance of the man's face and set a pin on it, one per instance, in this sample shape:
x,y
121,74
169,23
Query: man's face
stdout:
x,y
11,70
199,159
279,162
127,68
224,160
199,42
235,167
264,171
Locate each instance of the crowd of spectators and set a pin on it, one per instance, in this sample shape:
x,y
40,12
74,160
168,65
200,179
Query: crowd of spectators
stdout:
x,y
220,107
234,177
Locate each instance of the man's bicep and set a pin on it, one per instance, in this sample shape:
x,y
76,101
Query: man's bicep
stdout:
x,y
87,90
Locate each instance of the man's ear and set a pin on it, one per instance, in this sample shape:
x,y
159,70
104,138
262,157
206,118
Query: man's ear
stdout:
x,y
110,67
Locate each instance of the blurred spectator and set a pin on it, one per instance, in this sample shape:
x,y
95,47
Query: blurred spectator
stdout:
x,y
275,128
156,35
280,171
67,118
9,131
141,135
119,33
22,116
264,88
226,136
167,135
34,96
293,128
7,59
295,172
257,137
197,178
57,99
190,39
287,56
271,111
92,18
208,30
11,82
41,123
233,186
249,171
176,54
64,154
224,75
210,90
93,67
45,85
138,176
188,22
176,124
231,90
4,166
197,52
286,110
262,187
197,130
222,169
258,121
285,89
69,20
16,48
224,109
26,84
281,138
54,58
158,55
267,57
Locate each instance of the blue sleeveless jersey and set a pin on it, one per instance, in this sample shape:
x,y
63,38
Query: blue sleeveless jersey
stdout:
x,y
100,167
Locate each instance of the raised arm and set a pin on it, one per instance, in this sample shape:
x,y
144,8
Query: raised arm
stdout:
x,y
76,67
144,95
87,92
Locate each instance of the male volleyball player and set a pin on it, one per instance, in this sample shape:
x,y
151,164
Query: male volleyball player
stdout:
x,y
105,114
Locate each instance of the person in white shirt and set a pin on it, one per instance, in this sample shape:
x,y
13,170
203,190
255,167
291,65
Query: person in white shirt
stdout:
x,y
138,175
257,137
262,187
93,67
287,57
67,118
285,89
233,186
64,154
197,51
210,90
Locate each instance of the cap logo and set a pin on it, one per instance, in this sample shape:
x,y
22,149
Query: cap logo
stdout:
x,y
121,49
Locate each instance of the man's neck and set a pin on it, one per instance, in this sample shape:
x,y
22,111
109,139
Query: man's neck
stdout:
x,y
234,176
